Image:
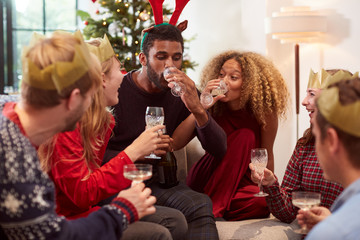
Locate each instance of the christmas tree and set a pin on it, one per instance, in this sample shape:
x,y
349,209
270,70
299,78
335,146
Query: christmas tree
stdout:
x,y
123,22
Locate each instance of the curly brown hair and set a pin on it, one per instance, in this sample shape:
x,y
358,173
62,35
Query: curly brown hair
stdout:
x,y
263,89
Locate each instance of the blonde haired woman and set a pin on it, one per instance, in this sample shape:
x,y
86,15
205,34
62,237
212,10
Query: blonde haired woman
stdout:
x,y
248,113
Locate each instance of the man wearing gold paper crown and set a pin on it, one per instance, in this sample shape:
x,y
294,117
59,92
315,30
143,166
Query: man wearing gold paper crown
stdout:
x,y
163,47
336,126
60,78
303,172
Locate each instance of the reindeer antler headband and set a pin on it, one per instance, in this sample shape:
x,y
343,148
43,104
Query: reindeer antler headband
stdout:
x,y
157,8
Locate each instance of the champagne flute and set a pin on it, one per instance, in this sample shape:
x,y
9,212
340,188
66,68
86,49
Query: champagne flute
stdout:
x,y
259,159
305,201
179,88
207,98
137,173
154,116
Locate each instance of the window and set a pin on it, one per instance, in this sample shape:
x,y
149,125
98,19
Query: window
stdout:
x,y
20,19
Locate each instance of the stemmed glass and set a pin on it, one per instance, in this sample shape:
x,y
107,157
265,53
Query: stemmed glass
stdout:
x,y
207,98
305,201
179,88
154,116
137,172
259,159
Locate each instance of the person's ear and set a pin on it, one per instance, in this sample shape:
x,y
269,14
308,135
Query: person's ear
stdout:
x,y
142,59
74,99
103,80
333,141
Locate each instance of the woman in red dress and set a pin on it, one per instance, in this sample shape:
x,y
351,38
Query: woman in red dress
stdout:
x,y
249,112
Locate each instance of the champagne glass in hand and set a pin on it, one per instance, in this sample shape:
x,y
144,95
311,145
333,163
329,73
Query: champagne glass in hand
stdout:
x,y
207,98
137,173
179,88
305,201
259,159
154,116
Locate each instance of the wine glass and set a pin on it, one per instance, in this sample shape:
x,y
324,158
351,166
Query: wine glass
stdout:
x,y
179,88
137,173
305,201
207,98
154,116
259,159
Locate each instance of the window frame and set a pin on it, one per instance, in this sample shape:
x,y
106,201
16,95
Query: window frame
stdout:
x,y
7,74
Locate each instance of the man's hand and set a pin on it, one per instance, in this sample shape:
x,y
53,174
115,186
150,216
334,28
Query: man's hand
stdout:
x,y
140,197
313,216
268,178
165,145
190,98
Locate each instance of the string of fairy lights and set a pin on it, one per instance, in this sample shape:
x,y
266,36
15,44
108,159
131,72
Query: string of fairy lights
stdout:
x,y
142,16
123,21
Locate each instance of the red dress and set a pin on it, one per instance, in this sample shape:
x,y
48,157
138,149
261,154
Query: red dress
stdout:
x,y
77,191
227,181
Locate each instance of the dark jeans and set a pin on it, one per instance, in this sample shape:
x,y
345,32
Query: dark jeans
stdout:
x,y
196,207
166,223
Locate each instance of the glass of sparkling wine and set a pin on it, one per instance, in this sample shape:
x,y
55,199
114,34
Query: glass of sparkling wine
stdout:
x,y
154,116
305,201
207,98
179,88
137,173
259,159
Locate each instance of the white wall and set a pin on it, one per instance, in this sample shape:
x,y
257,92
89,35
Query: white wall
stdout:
x,y
239,24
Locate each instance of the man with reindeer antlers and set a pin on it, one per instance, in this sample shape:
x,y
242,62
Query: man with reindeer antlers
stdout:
x,y
162,46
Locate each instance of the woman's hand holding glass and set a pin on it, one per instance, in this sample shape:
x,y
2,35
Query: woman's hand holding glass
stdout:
x,y
267,179
214,90
149,141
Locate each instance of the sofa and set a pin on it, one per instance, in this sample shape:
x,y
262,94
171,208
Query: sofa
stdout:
x,y
265,228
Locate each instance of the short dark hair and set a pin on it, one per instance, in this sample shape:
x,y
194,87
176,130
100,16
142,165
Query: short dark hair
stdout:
x,y
166,32
349,92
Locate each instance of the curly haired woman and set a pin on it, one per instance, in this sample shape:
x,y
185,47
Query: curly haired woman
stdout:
x,y
249,112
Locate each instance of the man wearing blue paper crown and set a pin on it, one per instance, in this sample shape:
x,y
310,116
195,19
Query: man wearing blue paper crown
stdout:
x,y
336,127
60,77
162,47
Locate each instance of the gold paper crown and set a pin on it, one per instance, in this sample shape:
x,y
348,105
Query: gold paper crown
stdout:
x,y
104,51
58,75
345,117
323,79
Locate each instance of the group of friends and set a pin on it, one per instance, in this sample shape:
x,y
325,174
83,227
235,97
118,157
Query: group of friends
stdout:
x,y
79,120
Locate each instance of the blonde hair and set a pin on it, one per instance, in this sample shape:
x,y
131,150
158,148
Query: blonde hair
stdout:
x,y
263,87
60,47
93,127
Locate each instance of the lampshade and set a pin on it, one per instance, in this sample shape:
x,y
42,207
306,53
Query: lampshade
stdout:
x,y
296,24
